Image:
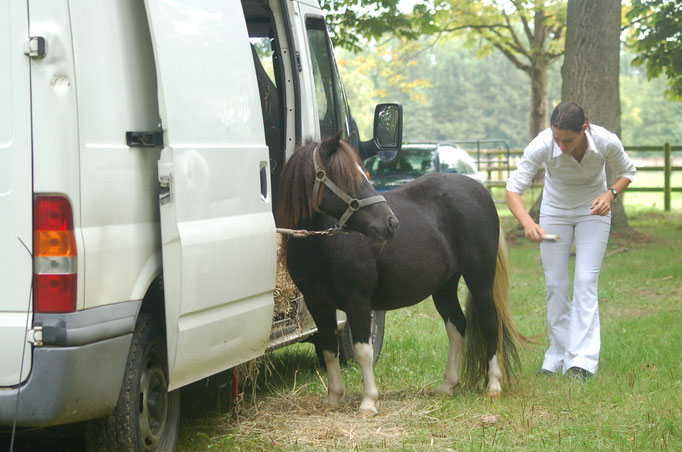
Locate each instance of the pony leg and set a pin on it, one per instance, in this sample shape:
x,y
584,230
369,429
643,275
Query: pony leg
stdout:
x,y
484,338
335,387
451,377
325,319
447,304
364,356
359,320
494,378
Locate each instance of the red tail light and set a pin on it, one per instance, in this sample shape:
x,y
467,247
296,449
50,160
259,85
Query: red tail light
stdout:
x,y
54,255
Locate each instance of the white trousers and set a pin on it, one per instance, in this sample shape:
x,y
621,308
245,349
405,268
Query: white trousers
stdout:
x,y
574,332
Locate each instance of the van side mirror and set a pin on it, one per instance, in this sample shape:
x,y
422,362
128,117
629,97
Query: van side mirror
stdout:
x,y
388,133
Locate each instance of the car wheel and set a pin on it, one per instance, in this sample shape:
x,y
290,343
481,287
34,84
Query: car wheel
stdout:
x,y
147,416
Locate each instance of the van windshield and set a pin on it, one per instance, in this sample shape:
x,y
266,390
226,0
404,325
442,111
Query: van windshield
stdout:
x,y
332,107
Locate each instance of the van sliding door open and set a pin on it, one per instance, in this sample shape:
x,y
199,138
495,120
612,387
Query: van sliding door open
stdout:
x,y
217,226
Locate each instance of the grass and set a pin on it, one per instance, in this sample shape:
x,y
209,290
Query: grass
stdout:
x,y
633,403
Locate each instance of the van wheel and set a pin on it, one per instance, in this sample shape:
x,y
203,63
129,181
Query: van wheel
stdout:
x,y
346,352
147,416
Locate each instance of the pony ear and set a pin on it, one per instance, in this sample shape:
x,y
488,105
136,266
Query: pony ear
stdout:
x,y
331,144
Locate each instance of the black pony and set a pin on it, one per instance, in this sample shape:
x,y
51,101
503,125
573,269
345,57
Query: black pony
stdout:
x,y
448,229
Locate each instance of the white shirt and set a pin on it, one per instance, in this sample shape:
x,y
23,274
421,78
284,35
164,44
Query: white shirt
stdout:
x,y
568,183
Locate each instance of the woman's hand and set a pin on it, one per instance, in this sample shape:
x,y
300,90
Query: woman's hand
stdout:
x,y
602,204
534,232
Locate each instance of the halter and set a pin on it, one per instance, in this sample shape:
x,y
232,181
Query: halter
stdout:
x,y
353,204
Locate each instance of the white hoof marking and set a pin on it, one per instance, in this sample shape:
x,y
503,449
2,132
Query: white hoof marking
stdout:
x,y
335,388
451,377
364,356
494,378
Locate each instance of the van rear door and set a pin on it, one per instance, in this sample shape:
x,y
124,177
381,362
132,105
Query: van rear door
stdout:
x,y
217,227
16,240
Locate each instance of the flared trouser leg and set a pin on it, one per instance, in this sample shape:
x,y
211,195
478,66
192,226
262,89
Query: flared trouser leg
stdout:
x,y
573,324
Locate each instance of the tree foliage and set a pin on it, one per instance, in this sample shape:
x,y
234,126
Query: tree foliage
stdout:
x,y
528,32
353,23
448,93
656,35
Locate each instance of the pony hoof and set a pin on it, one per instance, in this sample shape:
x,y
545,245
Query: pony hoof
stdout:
x,y
494,392
368,409
445,390
368,412
333,401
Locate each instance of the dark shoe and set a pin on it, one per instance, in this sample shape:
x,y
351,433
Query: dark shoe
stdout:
x,y
546,372
578,373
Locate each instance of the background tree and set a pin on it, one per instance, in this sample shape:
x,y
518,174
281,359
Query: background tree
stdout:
x,y
656,35
528,33
353,23
590,72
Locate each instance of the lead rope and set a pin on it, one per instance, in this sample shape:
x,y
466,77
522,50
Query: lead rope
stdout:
x,y
301,233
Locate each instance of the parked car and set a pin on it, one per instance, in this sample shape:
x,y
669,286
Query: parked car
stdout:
x,y
418,159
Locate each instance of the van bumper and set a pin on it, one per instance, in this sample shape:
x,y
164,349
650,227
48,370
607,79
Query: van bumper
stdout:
x,y
78,379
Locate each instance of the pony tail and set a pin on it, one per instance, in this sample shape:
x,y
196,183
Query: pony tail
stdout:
x,y
474,362
509,338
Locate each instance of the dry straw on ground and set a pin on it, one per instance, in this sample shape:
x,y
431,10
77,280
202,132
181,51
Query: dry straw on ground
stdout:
x,y
285,289
304,422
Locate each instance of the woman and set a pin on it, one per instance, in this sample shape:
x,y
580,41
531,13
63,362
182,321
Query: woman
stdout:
x,y
576,205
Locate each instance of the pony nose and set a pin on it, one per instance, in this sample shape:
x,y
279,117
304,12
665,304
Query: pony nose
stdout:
x,y
393,223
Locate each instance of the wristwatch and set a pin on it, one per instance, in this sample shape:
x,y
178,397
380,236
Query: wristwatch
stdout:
x,y
615,193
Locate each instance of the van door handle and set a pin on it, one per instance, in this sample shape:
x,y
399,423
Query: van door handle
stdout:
x,y
264,180
165,193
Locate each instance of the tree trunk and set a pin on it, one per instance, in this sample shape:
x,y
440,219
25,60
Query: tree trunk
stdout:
x,y
539,119
539,84
591,69
539,78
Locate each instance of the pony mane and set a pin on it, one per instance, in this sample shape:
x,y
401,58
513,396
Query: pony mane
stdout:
x,y
295,203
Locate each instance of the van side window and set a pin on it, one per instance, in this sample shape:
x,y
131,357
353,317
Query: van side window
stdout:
x,y
331,101
266,50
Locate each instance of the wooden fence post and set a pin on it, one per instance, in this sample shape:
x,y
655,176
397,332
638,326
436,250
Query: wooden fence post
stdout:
x,y
666,177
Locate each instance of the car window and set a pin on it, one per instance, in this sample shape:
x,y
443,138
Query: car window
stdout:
x,y
454,161
409,161
465,168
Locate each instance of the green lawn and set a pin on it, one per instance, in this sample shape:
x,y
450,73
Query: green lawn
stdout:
x,y
633,403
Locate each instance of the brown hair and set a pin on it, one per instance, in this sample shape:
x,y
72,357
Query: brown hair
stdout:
x,y
294,200
569,116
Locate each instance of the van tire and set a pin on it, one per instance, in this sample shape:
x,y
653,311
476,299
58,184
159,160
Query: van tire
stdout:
x,y
147,416
345,337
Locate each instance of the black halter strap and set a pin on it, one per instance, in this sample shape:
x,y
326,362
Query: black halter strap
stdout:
x,y
353,204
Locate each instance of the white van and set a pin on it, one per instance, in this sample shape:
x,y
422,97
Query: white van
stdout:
x,y
140,143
